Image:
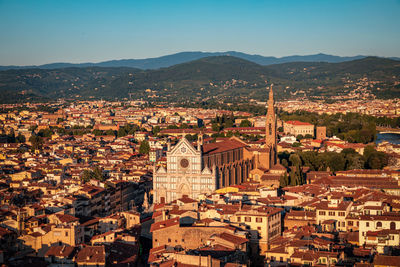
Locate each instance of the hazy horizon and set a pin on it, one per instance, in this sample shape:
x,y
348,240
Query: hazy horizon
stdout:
x,y
116,59
43,32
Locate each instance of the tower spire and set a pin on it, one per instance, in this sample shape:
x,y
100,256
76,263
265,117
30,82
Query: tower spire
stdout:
x,y
271,101
270,129
271,93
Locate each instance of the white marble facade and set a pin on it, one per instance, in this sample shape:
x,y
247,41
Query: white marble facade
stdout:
x,y
184,175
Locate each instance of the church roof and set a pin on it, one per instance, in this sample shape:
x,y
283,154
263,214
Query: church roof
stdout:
x,y
220,147
278,166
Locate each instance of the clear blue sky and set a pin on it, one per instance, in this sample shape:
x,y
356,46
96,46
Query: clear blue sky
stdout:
x,y
41,31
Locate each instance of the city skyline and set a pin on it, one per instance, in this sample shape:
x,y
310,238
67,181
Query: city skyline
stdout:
x,y
200,133
71,31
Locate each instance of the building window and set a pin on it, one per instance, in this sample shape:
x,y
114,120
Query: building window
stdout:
x,y
342,213
259,228
247,219
239,219
367,224
392,226
259,220
378,224
322,213
332,213
169,240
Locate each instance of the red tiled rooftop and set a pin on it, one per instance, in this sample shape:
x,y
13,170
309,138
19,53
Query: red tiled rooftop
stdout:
x,y
164,224
214,148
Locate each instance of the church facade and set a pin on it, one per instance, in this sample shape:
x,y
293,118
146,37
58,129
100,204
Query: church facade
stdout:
x,y
184,175
194,171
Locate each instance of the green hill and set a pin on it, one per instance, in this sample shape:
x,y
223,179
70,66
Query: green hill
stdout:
x,y
220,78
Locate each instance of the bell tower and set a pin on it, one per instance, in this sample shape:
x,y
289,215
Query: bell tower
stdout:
x,y
270,130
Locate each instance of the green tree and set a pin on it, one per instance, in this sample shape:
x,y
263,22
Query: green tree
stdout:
x,y
98,132
156,130
296,144
368,150
191,138
245,123
295,160
216,127
284,180
37,142
96,174
32,128
229,122
377,160
337,162
110,132
354,162
144,147
46,133
284,163
122,132
20,138
348,151
296,176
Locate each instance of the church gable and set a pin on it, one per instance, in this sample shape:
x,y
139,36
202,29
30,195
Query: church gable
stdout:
x,y
184,147
206,170
161,170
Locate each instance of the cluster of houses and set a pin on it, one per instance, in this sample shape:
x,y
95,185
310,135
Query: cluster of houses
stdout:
x,y
85,197
315,224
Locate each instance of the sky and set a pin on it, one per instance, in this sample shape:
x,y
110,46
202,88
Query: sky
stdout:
x,y
46,31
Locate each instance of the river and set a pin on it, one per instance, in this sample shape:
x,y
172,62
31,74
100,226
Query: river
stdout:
x,y
393,138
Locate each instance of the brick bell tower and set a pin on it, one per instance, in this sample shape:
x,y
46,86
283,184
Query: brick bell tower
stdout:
x,y
270,130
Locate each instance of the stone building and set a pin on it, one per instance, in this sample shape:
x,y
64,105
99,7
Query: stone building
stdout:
x,y
373,223
321,132
298,127
193,171
266,170
170,232
185,174
264,224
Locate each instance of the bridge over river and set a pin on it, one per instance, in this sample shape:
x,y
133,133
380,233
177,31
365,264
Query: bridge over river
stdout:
x,y
385,130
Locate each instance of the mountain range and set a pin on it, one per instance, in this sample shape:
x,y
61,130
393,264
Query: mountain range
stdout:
x,y
211,79
178,58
